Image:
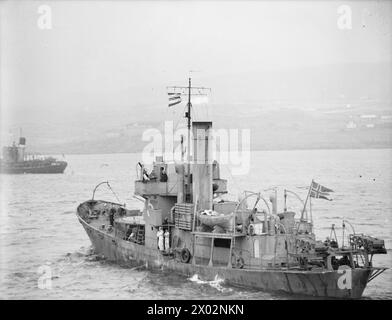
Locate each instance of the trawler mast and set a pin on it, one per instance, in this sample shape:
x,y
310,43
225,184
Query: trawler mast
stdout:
x,y
188,115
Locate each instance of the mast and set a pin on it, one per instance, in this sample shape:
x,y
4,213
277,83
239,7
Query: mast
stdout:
x,y
306,201
188,115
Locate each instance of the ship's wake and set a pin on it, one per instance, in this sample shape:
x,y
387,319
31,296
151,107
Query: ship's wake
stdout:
x,y
216,283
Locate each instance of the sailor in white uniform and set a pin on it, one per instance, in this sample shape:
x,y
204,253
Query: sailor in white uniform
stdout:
x,y
167,240
160,239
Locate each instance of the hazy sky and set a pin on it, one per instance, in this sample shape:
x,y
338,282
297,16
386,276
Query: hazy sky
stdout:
x,y
97,52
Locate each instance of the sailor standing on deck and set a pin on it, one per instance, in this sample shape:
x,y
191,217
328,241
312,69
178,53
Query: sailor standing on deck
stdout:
x,y
160,239
167,240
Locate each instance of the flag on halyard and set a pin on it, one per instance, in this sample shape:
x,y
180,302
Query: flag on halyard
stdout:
x,y
174,98
319,191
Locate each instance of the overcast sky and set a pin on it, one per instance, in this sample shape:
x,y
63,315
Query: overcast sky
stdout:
x,y
96,50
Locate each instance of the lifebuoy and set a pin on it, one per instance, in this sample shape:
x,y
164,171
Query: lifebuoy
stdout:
x,y
237,261
185,255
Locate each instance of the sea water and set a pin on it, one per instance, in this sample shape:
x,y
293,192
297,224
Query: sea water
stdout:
x,y
46,254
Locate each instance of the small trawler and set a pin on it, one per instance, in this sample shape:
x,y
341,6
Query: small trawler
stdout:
x,y
15,161
187,227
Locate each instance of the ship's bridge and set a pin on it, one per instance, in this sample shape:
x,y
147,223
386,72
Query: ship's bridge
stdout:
x,y
165,179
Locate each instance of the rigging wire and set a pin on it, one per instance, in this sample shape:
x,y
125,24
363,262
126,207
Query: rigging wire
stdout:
x,y
179,118
114,193
236,184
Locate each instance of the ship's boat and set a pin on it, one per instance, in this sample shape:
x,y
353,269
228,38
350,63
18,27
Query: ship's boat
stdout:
x,y
186,226
212,219
15,161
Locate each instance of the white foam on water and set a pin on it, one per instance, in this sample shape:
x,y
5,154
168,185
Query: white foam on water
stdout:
x,y
216,283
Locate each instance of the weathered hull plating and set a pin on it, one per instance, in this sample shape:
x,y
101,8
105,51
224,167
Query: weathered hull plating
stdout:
x,y
312,283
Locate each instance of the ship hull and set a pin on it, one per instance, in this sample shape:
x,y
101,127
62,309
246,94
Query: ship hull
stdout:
x,y
323,284
51,168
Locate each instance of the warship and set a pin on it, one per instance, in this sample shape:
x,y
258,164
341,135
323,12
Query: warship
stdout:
x,y
187,227
16,161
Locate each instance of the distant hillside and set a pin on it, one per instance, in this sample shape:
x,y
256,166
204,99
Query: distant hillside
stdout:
x,y
339,106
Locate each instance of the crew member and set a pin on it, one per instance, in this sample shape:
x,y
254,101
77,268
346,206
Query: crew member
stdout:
x,y
145,175
163,175
167,240
111,216
160,236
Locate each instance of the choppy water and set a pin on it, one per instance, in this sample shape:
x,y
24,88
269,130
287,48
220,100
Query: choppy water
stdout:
x,y
39,230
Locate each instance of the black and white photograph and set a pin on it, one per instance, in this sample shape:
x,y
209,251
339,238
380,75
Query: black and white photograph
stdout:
x,y
196,150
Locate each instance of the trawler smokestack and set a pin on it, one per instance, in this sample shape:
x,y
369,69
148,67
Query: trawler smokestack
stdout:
x,y
202,164
273,200
180,182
